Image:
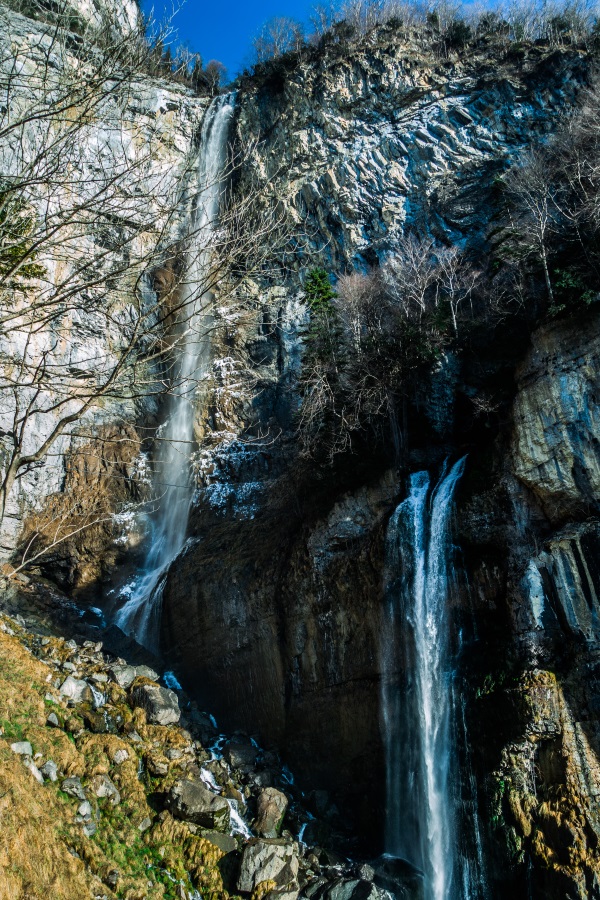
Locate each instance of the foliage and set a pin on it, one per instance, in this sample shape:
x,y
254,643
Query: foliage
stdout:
x,y
17,225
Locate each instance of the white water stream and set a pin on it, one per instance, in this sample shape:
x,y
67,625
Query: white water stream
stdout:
x,y
417,707
140,614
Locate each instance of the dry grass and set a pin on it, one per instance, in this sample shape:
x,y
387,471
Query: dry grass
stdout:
x,y
44,854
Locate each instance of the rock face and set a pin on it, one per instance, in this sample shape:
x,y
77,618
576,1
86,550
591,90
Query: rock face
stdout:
x,y
557,420
153,114
291,647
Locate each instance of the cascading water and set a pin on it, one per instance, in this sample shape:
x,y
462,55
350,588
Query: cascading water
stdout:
x,y
417,707
140,615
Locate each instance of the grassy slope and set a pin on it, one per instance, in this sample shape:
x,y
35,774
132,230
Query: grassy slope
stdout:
x,y
43,851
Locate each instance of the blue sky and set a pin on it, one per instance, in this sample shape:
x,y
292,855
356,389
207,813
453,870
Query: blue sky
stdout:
x,y
223,29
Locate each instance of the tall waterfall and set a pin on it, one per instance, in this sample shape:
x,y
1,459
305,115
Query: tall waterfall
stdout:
x,y
422,793
140,615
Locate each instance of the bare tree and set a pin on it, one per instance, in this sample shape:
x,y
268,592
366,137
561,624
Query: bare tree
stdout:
x,y
535,194
389,325
279,35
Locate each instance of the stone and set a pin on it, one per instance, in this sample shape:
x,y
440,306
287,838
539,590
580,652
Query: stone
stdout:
x,y
344,889
557,418
123,675
119,756
90,829
271,807
50,770
173,753
160,704
52,720
283,894
84,809
23,748
35,771
240,754
76,690
103,787
224,842
191,801
99,677
74,788
97,722
267,860
145,824
365,872
157,765
146,672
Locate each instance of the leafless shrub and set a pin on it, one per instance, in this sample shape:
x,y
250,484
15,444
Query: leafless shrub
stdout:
x,y
390,324
278,36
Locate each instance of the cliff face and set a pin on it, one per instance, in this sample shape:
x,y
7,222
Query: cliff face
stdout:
x,y
272,612
274,608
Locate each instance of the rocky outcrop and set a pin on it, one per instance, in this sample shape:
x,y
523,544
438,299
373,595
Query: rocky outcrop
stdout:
x,y
557,419
363,144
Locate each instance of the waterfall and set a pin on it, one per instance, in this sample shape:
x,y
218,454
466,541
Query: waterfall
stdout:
x,y
140,614
417,707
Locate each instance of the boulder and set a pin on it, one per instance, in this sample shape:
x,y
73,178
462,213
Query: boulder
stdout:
x,y
224,842
157,765
102,786
52,721
240,754
192,802
23,748
120,756
283,894
76,690
268,860
97,722
74,788
50,770
160,704
85,809
272,805
146,672
123,675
